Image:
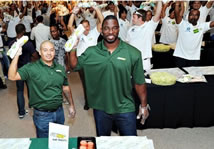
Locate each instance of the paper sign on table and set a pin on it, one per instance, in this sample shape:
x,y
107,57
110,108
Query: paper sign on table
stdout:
x,y
58,136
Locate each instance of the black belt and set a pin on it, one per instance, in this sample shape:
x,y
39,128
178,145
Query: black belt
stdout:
x,y
43,110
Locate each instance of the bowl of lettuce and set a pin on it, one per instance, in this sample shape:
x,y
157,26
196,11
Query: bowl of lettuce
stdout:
x,y
163,78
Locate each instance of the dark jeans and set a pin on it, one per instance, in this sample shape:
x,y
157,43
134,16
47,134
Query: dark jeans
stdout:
x,y
180,62
82,78
125,123
20,96
5,63
41,121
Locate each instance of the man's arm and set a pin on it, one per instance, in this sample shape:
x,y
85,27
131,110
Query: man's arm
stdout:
x,y
143,108
71,19
12,72
32,34
23,13
157,15
178,17
163,11
99,17
68,95
209,4
212,24
142,94
73,59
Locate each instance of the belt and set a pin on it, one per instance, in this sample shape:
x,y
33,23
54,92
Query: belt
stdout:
x,y
44,110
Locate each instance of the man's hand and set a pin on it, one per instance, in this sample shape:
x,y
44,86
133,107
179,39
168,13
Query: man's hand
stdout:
x,y
19,52
72,111
75,10
144,113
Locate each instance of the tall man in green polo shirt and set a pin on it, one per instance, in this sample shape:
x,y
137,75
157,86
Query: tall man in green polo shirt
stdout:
x,y
46,81
111,69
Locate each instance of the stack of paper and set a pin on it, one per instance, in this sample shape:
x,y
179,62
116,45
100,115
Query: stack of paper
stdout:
x,y
15,143
126,142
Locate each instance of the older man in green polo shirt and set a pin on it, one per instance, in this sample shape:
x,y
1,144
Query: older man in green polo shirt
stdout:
x,y
111,70
46,81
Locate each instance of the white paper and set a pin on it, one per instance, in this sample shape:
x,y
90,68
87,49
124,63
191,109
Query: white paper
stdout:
x,y
124,142
22,143
58,136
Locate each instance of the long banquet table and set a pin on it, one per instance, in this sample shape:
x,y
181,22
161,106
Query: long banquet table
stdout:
x,y
181,105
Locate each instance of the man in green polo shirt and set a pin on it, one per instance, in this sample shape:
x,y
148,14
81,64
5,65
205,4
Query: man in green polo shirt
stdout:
x,y
111,70
46,81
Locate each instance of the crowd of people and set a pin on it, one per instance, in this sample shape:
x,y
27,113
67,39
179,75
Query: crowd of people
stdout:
x,y
112,55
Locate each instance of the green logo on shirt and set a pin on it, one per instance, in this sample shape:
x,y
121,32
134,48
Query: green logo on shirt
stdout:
x,y
195,31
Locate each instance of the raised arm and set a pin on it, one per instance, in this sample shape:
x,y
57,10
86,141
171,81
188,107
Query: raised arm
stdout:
x,y
23,13
99,17
178,16
72,17
163,12
157,15
209,4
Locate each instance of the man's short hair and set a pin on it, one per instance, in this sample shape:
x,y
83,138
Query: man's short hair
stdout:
x,y
20,28
195,10
141,13
44,42
84,21
109,17
39,19
56,26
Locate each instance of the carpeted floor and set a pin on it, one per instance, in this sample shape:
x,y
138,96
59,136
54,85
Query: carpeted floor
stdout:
x,y
83,124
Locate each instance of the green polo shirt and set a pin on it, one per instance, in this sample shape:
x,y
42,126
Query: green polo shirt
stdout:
x,y
109,77
45,84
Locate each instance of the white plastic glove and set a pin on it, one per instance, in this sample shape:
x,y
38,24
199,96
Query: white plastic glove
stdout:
x,y
72,111
144,113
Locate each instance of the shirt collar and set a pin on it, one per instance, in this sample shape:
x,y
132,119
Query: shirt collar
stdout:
x,y
52,66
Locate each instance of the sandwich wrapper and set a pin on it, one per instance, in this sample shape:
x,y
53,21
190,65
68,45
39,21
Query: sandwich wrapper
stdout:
x,y
74,37
16,45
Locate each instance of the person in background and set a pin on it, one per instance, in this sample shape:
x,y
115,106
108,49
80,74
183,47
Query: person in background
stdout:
x,y
11,33
190,33
40,32
46,81
141,34
60,56
123,22
110,68
169,31
204,10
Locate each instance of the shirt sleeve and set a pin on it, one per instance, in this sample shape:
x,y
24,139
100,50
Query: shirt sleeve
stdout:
x,y
65,83
206,27
138,72
24,72
32,34
82,58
